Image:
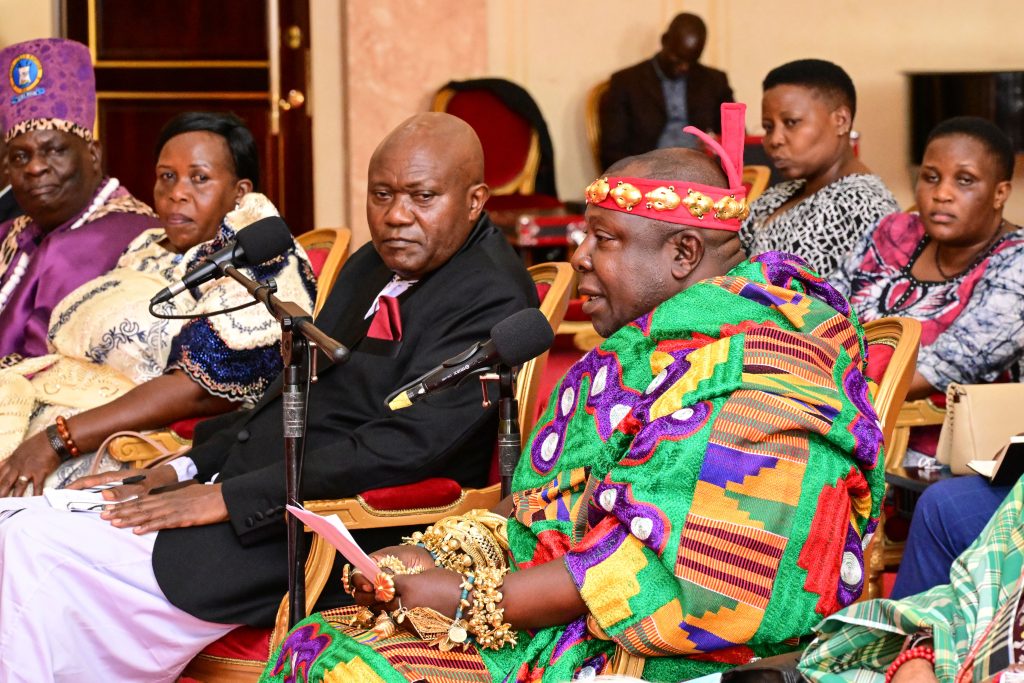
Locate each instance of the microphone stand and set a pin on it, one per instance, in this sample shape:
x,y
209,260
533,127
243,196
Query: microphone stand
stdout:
x,y
509,437
298,333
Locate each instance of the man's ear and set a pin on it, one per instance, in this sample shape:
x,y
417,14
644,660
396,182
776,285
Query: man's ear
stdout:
x,y
96,157
687,253
478,196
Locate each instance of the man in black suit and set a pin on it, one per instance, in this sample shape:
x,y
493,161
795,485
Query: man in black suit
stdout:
x,y
436,278
648,104
8,204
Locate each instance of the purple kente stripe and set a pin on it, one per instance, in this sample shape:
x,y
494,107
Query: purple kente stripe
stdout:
x,y
611,394
304,645
574,633
723,465
871,527
865,427
579,562
781,268
626,509
596,664
644,322
668,428
706,641
756,292
662,382
846,593
823,410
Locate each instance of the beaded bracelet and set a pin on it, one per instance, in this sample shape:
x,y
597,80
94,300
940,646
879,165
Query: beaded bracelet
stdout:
x,y
919,652
486,619
65,435
57,444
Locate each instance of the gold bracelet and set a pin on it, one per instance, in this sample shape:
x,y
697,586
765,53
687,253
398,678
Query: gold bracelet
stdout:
x,y
486,618
466,543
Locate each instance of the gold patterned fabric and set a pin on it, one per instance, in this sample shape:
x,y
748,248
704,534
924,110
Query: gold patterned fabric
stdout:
x,y
104,341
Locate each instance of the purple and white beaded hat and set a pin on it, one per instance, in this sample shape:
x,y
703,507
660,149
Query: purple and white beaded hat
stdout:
x,y
49,85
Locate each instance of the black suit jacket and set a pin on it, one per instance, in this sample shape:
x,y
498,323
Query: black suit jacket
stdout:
x,y
8,205
633,114
235,572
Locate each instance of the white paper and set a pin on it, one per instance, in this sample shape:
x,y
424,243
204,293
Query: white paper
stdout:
x,y
84,500
338,535
985,468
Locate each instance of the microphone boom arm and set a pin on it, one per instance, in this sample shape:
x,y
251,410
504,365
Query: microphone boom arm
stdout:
x,y
297,333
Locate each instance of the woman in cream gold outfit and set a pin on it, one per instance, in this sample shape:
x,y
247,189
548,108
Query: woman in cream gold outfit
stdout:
x,y
114,366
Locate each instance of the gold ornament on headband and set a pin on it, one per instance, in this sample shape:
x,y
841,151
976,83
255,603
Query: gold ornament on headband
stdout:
x,y
626,196
663,198
597,191
729,207
698,203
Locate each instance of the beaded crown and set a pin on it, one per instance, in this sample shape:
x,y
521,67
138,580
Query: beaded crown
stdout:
x,y
684,202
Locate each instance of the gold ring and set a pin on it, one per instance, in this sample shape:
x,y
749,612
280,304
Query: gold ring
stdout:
x,y
23,479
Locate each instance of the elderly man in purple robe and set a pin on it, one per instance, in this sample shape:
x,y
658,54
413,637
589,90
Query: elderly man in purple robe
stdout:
x,y
77,222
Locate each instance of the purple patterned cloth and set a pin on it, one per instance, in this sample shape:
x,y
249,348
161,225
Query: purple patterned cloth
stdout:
x,y
60,261
47,83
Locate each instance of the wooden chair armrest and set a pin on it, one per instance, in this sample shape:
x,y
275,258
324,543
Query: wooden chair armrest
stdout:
x,y
623,663
358,514
139,453
920,413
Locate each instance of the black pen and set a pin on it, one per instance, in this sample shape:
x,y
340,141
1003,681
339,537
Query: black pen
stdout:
x,y
134,479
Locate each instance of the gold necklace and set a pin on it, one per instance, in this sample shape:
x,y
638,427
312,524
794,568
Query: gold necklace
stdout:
x,y
984,249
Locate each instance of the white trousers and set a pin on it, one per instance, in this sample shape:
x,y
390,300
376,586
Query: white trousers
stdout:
x,y
79,602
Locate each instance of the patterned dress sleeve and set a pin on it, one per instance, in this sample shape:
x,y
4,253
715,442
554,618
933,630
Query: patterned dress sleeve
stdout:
x,y
237,355
987,338
845,210
842,278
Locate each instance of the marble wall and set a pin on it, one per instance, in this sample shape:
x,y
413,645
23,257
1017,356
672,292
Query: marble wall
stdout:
x,y
558,50
396,54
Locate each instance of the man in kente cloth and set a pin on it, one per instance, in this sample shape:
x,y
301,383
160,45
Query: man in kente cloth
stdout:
x,y
698,491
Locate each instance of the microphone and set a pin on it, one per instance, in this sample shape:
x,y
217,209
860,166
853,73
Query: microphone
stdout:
x,y
254,244
514,340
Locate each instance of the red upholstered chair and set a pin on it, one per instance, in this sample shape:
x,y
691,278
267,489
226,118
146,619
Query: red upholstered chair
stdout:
x,y
240,656
592,121
755,179
513,146
327,249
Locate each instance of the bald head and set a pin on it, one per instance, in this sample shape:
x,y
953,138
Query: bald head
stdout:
x,y
425,192
453,140
672,163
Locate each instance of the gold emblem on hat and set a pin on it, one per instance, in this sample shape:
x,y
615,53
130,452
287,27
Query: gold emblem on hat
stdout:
x,y
597,191
663,198
626,196
698,203
729,207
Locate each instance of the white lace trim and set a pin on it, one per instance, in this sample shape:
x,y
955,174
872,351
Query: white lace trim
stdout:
x,y
101,198
19,271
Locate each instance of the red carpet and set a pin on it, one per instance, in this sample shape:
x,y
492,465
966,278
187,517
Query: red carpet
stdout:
x,y
561,357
